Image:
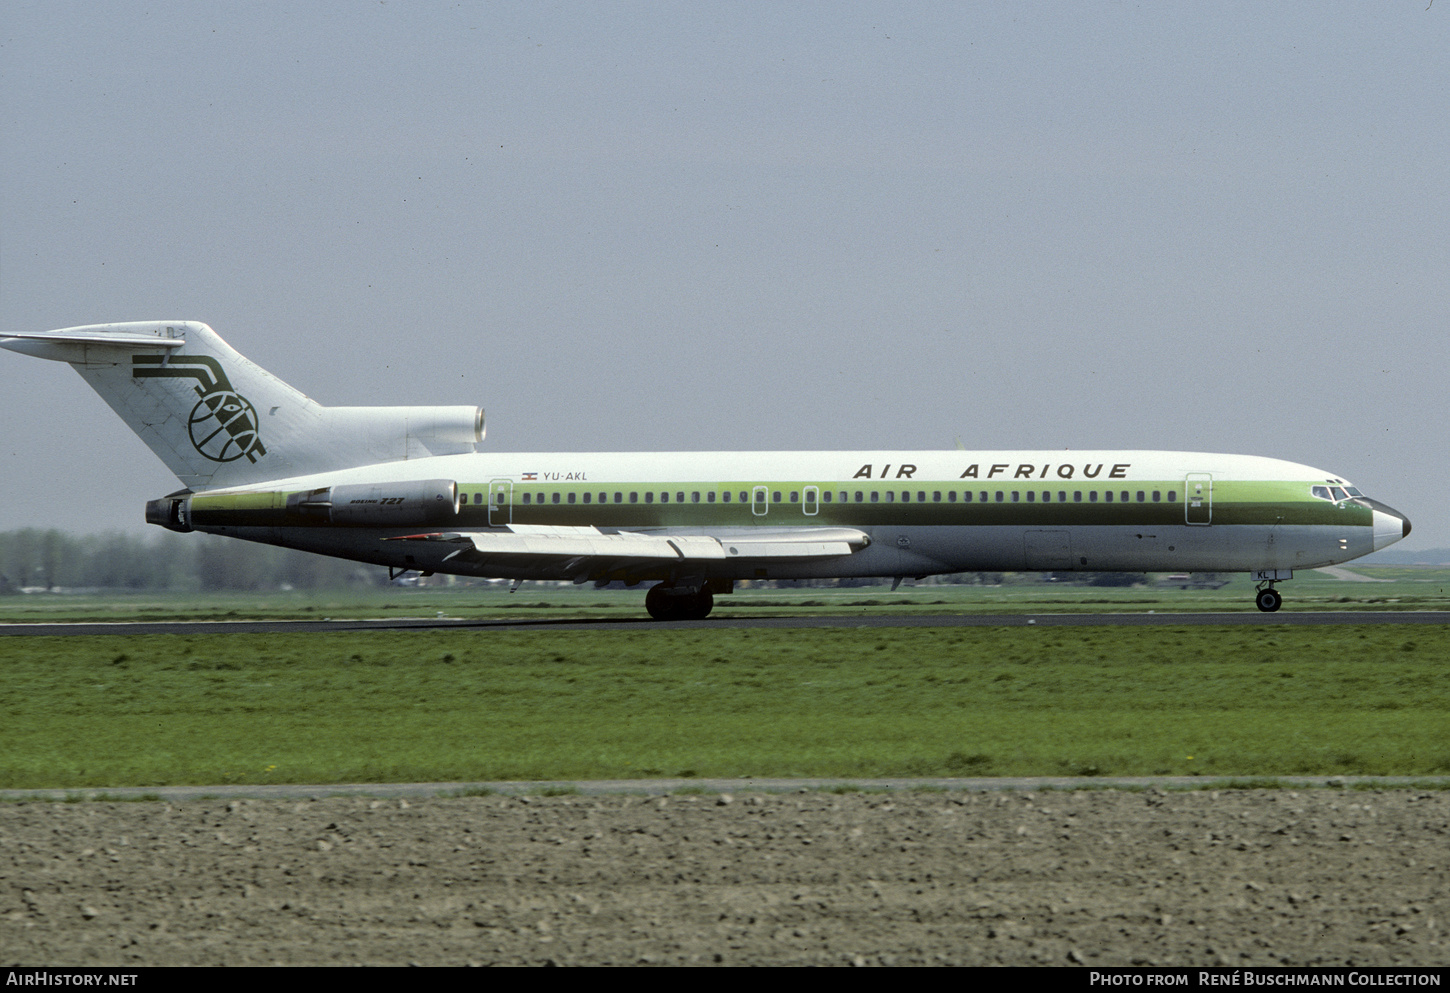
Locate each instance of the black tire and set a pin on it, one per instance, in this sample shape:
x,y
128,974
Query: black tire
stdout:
x,y
665,605
1269,600
699,605
661,605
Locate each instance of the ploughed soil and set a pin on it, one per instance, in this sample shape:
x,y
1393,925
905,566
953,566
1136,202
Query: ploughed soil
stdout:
x,y
1237,877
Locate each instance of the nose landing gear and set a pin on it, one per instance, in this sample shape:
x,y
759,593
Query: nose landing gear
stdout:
x,y
1268,599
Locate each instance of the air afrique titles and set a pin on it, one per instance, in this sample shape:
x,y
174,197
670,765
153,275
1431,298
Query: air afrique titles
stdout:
x,y
1024,470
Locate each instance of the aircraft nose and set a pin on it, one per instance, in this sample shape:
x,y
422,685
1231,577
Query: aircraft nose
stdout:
x,y
1389,525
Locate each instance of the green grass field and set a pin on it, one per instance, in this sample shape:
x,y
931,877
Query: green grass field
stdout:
x,y
116,711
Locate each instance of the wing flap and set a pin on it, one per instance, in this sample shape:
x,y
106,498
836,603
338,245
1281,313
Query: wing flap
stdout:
x,y
590,545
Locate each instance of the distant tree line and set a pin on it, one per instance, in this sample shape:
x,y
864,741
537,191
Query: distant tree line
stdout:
x,y
32,558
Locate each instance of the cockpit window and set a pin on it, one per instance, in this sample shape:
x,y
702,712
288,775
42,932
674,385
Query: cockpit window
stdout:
x,y
1334,494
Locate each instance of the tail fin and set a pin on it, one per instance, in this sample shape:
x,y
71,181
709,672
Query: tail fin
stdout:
x,y
217,419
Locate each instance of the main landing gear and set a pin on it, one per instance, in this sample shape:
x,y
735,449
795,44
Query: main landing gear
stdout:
x,y
1268,599
670,603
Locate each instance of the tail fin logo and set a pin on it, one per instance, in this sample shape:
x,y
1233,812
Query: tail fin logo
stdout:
x,y
223,424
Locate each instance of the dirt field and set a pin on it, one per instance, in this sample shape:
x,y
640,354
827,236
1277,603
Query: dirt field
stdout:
x,y
1268,877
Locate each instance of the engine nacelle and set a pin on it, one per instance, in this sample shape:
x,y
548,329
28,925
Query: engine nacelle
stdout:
x,y
391,434
410,503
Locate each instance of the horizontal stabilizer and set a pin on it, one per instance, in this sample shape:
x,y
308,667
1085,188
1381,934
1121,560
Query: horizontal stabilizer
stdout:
x,y
75,345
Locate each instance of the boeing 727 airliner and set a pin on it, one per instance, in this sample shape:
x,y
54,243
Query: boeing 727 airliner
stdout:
x,y
406,487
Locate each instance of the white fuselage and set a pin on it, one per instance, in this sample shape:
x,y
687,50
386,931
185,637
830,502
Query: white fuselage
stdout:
x,y
924,512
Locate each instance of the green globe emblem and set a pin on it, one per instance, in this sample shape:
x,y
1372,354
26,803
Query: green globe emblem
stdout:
x,y
223,427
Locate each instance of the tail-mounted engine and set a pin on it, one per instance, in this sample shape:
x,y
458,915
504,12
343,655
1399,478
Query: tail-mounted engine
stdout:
x,y
413,503
431,501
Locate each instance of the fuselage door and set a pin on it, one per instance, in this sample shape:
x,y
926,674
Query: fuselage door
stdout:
x,y
1198,498
500,502
811,501
759,501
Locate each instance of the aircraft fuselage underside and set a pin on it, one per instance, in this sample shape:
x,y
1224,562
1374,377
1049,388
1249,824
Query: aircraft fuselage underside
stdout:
x,y
891,552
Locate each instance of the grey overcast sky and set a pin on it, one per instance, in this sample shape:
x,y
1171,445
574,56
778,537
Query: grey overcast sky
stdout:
x,y
675,226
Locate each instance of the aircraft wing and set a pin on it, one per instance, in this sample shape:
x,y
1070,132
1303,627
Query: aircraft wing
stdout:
x,y
583,553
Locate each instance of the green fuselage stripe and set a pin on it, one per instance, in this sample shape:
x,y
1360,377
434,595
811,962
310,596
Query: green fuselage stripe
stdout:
x,y
921,504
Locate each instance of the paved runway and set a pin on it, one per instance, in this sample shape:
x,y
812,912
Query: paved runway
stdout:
x,y
1252,617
